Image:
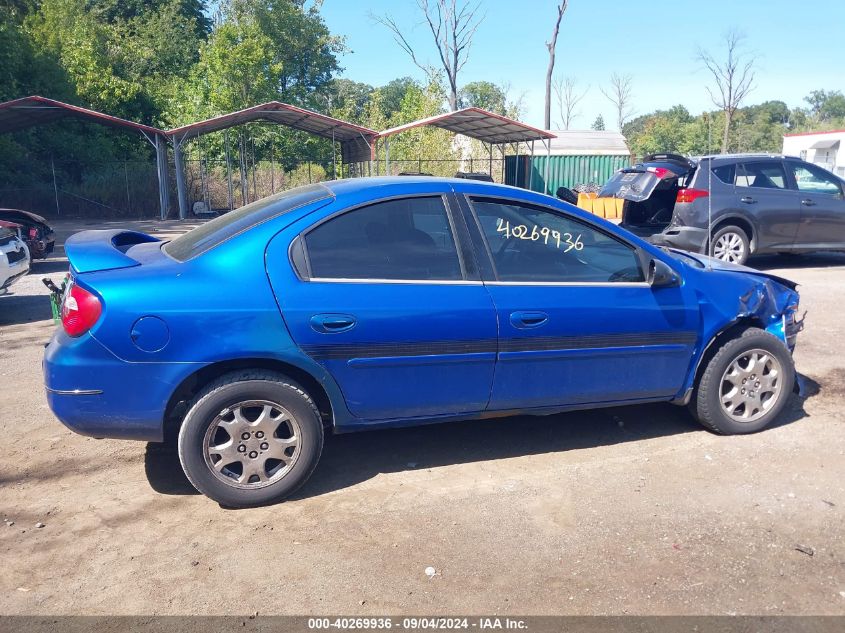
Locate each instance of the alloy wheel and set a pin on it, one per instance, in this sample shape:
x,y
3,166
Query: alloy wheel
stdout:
x,y
729,247
252,444
751,385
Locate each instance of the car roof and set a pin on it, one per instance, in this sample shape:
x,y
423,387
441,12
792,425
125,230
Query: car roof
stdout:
x,y
739,156
382,186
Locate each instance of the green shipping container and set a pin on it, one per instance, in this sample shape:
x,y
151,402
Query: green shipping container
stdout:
x,y
564,170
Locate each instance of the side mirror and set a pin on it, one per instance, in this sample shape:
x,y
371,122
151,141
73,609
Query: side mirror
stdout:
x,y
660,275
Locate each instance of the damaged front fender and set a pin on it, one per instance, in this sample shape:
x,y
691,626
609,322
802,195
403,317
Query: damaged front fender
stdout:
x,y
731,295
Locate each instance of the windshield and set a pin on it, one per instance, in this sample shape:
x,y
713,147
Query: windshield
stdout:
x,y
207,236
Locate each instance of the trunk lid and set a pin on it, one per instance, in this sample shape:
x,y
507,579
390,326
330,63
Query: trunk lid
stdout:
x,y
110,249
637,183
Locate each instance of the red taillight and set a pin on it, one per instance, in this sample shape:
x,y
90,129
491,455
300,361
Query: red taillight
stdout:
x,y
689,195
658,171
80,310
33,233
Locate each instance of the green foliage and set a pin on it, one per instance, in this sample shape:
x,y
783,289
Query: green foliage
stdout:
x,y
485,95
393,93
756,128
598,124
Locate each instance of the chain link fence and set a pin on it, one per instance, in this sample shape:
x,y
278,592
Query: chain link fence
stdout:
x,y
129,189
123,189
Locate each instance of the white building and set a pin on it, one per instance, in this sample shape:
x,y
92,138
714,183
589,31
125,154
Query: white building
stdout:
x,y
824,149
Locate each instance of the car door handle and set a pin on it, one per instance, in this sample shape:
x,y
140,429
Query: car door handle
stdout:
x,y
332,323
808,203
527,320
747,200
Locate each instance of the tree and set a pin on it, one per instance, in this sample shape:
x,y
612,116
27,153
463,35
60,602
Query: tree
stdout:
x,y
261,51
349,99
826,106
734,78
619,95
393,93
453,24
568,98
551,45
485,95
598,124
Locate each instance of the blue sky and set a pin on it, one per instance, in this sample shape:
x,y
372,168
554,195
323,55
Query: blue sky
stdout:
x,y
798,46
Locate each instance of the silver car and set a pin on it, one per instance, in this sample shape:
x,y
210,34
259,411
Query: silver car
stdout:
x,y
14,256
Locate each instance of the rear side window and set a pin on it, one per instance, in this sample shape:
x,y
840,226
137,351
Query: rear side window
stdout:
x,y
761,175
725,173
207,236
403,239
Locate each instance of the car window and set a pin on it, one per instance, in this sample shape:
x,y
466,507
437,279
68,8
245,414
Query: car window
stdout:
x,y
534,244
762,175
813,180
725,173
409,239
215,232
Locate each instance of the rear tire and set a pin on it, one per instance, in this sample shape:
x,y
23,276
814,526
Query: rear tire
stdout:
x,y
730,244
745,385
250,438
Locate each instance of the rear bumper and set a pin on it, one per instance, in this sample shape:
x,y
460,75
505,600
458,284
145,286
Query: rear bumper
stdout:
x,y
687,238
94,393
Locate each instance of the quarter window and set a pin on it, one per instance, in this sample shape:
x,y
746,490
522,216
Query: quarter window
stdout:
x,y
762,175
725,173
813,180
408,239
533,244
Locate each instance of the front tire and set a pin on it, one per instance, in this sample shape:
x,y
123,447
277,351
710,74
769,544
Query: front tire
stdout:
x,y
745,385
730,244
250,438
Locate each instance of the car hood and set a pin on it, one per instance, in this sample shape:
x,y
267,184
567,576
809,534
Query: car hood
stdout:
x,y
711,263
18,214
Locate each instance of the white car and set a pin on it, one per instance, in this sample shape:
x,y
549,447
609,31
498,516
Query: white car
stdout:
x,y
14,256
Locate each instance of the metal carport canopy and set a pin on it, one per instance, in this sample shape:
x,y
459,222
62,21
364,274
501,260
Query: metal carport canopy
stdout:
x,y
355,141
487,127
32,111
25,112
479,124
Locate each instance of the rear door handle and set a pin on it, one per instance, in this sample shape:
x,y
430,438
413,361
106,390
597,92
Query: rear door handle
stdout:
x,y
527,320
332,323
808,203
747,200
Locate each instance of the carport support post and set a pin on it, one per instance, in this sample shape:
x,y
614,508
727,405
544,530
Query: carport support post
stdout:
x,y
230,190
530,174
387,156
181,190
548,162
161,164
55,186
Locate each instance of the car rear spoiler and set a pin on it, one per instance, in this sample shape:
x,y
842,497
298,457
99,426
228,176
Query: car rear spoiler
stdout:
x,y
90,251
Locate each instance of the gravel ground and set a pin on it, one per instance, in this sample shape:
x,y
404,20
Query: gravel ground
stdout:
x,y
632,510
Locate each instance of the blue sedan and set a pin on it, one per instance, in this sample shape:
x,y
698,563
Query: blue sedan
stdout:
x,y
379,302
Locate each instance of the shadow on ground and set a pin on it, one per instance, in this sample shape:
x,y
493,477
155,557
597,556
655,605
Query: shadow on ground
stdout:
x,y
352,458
16,309
48,266
808,260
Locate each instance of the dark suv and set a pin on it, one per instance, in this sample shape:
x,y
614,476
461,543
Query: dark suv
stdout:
x,y
753,203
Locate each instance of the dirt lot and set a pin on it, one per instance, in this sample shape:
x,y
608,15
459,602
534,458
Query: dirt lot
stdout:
x,y
633,510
